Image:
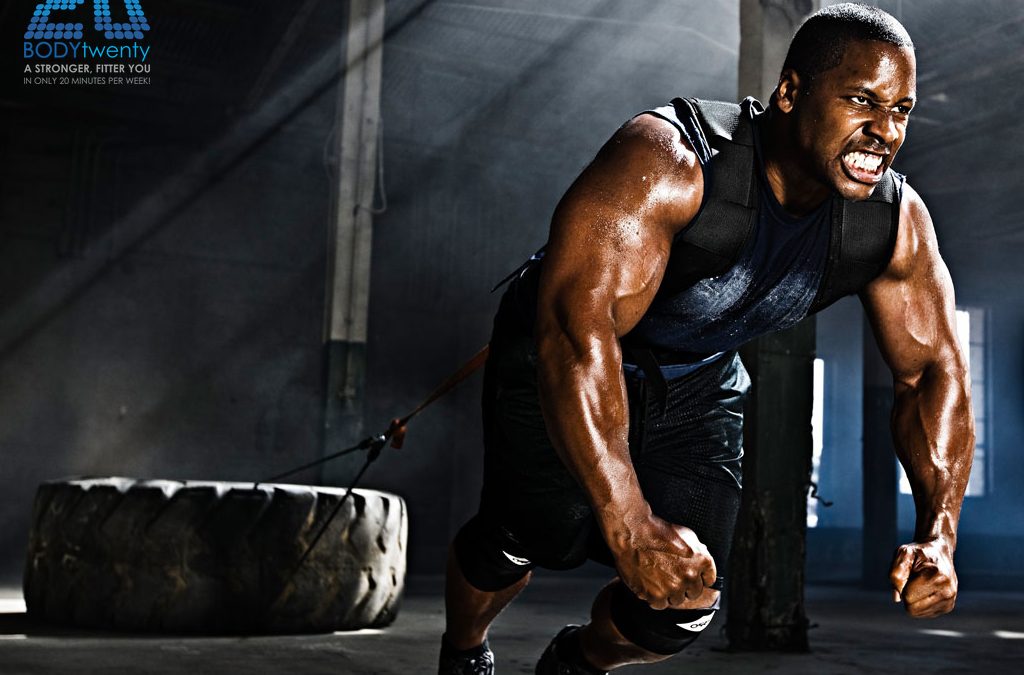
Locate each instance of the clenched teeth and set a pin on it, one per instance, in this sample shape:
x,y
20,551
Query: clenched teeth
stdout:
x,y
863,161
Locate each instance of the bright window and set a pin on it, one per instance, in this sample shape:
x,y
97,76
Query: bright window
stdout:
x,y
817,437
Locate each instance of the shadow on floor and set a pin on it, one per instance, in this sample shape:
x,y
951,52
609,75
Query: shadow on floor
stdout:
x,y
856,632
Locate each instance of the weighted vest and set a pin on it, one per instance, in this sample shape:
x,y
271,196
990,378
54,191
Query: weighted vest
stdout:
x,y
863,234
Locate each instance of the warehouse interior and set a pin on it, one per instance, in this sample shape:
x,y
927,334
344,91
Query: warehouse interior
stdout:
x,y
290,236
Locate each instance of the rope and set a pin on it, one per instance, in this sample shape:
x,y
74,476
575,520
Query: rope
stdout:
x,y
467,369
815,495
374,453
396,431
375,444
362,445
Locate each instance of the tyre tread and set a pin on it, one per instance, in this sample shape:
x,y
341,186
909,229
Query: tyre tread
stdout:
x,y
207,557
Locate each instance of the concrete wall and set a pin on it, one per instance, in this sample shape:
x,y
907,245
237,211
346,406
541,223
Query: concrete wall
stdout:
x,y
198,354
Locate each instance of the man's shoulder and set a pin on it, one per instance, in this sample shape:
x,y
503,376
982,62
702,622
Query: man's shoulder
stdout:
x,y
916,240
683,124
652,139
915,222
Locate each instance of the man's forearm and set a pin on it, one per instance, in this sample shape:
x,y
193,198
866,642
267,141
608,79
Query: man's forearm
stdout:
x,y
933,430
585,408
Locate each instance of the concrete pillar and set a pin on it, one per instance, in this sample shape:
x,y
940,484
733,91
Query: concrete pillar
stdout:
x,y
765,588
766,574
348,289
880,475
766,27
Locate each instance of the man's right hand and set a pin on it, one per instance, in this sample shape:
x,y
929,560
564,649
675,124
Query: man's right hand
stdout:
x,y
664,564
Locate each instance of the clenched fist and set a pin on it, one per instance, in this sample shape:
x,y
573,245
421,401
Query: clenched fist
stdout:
x,y
664,564
922,575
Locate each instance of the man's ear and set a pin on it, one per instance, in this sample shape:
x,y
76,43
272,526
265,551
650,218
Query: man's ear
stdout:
x,y
790,87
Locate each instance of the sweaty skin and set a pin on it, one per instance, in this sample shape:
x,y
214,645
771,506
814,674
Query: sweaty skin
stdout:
x,y
863,105
611,236
610,240
912,314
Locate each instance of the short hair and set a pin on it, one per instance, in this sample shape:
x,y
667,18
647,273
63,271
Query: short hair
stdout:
x,y
820,42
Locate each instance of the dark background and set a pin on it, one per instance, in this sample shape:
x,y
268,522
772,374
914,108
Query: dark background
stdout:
x,y
163,247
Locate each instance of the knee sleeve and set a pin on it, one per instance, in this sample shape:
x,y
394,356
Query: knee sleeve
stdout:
x,y
661,631
489,559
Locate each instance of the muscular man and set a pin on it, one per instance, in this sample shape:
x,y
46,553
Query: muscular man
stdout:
x,y
613,392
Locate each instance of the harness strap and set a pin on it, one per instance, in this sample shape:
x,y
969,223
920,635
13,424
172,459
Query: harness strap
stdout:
x,y
656,383
861,241
714,241
862,236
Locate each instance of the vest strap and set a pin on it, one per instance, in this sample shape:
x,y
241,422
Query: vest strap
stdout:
x,y
862,241
862,236
714,241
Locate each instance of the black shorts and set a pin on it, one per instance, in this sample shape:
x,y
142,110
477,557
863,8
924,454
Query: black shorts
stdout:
x,y
687,456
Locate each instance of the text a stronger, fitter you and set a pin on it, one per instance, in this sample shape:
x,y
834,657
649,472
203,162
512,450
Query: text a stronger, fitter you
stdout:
x,y
87,68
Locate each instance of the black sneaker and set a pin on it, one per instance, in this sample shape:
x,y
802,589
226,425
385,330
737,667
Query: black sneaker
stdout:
x,y
476,661
563,656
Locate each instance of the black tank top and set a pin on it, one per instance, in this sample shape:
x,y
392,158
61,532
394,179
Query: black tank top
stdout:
x,y
771,287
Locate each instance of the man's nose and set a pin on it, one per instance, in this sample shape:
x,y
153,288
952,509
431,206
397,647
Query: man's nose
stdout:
x,y
883,127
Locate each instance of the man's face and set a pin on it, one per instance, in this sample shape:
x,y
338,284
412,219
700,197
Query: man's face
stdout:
x,y
854,117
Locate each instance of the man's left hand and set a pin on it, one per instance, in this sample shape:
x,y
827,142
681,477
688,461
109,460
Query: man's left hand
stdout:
x,y
922,575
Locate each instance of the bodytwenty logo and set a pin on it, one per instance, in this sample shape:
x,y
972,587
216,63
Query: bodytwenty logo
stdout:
x,y
49,21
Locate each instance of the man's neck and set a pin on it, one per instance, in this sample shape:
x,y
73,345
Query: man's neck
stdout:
x,y
797,191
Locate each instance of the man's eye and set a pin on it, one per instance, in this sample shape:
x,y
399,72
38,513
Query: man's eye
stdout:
x,y
859,100
903,109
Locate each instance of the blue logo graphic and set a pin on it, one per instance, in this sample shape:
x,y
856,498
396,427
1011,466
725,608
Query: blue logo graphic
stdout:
x,y
40,27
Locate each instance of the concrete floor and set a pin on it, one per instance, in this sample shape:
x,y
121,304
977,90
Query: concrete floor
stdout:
x,y
854,633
